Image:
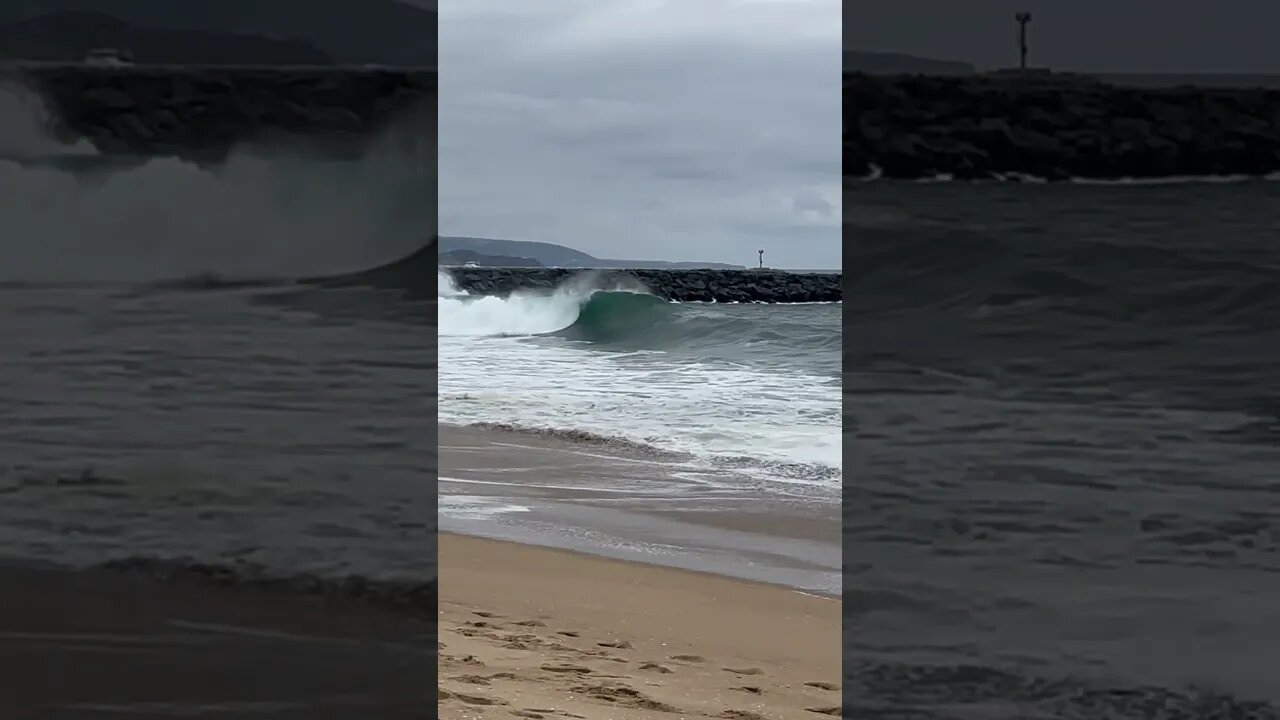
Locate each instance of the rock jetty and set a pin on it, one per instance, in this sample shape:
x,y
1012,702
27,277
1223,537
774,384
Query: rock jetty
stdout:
x,y
978,127
202,112
767,286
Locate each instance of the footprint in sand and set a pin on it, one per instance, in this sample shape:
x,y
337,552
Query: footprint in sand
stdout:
x,y
484,614
689,658
527,714
567,633
616,644
833,710
655,667
578,669
470,699
468,660
751,689
624,696
823,685
744,671
531,623
471,679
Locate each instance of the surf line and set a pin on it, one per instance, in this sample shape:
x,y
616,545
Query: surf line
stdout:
x,y
816,595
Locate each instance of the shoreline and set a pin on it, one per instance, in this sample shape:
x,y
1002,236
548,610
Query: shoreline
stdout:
x,y
639,565
533,632
624,503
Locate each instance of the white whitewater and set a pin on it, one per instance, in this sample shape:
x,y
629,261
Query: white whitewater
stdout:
x,y
495,367
263,215
461,314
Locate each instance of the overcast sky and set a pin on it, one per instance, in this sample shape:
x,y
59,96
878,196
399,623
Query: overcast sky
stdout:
x,y
1174,36
644,129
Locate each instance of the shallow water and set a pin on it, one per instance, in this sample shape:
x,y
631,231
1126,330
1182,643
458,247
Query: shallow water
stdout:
x,y
635,504
1062,415
163,395
278,425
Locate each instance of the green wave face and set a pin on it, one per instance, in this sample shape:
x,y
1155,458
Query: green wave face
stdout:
x,y
613,316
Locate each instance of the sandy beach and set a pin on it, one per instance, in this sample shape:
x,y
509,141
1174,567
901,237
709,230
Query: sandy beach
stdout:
x,y
94,644
529,632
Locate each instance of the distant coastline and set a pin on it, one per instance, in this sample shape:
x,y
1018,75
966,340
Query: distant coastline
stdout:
x,y
496,252
881,63
237,32
69,37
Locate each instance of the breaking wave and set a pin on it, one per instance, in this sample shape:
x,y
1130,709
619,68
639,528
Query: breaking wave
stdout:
x,y
614,316
577,310
593,358
73,215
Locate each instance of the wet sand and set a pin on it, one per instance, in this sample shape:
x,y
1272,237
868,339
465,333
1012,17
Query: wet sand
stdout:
x,y
98,644
635,503
530,632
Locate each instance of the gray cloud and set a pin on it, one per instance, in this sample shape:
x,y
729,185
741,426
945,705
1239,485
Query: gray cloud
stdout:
x,y
1169,36
682,130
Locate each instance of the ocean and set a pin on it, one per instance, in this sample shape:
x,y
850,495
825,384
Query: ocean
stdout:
x,y
717,406
1062,414
169,391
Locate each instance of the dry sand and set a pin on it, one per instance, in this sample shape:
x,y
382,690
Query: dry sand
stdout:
x,y
529,632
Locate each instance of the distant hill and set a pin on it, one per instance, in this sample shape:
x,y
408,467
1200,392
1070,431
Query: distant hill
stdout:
x,y
552,255
69,36
346,32
462,257
877,63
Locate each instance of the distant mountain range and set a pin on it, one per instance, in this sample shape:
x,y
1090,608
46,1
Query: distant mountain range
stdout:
x,y
522,253
463,257
303,32
69,36
878,63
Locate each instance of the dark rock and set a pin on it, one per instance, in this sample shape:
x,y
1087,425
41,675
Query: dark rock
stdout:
x,y
203,112
988,126
772,286
108,98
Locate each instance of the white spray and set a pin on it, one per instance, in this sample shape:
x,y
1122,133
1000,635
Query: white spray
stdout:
x,y
521,313
264,214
